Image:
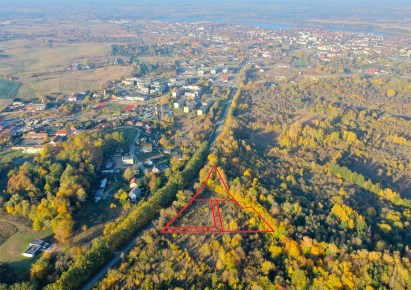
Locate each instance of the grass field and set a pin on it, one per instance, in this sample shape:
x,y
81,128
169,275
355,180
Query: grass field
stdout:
x,y
6,156
115,107
8,89
15,245
144,156
41,67
128,133
35,56
69,81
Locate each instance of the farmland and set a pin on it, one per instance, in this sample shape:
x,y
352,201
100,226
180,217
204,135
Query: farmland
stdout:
x,y
41,67
8,89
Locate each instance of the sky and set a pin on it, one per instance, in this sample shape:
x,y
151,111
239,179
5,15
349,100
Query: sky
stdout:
x,y
222,8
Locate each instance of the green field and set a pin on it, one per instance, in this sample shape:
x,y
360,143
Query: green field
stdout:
x,y
128,133
13,247
8,89
115,107
144,156
9,155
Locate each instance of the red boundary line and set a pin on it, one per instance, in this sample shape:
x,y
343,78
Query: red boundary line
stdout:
x,y
168,229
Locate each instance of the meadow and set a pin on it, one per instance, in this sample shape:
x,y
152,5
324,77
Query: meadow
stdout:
x,y
8,89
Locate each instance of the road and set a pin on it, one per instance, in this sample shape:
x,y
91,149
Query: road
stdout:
x,y
117,257
218,127
132,152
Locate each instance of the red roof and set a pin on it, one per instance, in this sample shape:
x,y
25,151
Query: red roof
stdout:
x,y
33,135
61,132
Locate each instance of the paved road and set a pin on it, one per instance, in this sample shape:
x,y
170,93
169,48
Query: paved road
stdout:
x,y
218,127
132,152
117,257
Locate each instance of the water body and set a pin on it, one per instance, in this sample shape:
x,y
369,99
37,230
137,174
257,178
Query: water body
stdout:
x,y
274,26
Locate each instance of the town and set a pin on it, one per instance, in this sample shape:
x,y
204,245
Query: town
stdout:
x,y
123,122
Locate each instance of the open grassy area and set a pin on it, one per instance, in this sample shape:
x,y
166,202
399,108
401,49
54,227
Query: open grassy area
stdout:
x,y
35,56
14,246
144,156
115,107
69,81
128,133
8,155
41,67
8,89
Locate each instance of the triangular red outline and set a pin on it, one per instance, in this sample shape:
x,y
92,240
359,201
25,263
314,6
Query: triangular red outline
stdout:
x,y
208,229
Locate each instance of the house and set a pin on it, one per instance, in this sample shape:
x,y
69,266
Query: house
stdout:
x,y
98,195
372,71
177,155
127,160
74,130
130,82
133,183
134,194
76,97
34,247
57,139
225,78
109,164
62,133
155,169
147,148
34,136
167,150
148,162
103,183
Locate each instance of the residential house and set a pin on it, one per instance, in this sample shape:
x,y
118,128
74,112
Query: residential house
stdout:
x,y
133,182
57,139
147,148
103,184
62,133
34,247
155,169
35,136
134,194
127,160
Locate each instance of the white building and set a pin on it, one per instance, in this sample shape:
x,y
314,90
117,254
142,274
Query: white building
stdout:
x,y
127,160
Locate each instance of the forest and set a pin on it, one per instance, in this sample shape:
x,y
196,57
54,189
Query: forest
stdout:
x,y
329,170
52,189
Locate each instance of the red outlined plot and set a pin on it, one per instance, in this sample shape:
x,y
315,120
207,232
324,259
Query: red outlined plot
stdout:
x,y
220,213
